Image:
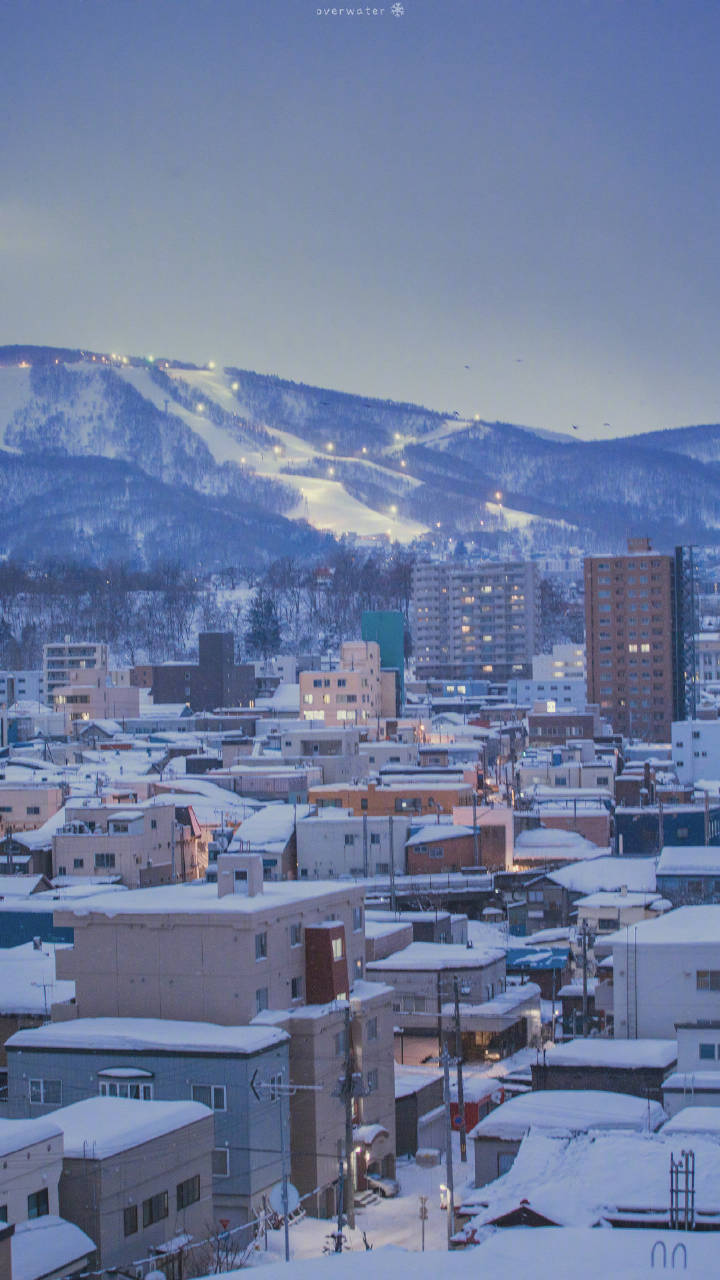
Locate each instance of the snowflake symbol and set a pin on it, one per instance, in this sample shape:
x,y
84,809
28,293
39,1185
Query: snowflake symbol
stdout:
x,y
397,10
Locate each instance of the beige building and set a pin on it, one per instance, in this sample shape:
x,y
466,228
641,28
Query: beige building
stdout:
x,y
286,952
92,695
28,806
136,1174
142,844
62,659
354,694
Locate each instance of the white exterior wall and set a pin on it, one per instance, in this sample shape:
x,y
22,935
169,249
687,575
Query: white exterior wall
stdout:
x,y
696,749
566,662
655,986
323,854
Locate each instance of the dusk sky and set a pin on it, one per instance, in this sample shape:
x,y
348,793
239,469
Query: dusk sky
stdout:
x,y
527,187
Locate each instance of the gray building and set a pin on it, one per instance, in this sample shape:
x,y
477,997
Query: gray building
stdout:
x,y
337,843
474,619
163,1060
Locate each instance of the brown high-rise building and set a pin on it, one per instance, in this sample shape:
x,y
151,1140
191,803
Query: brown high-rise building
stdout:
x,y
633,639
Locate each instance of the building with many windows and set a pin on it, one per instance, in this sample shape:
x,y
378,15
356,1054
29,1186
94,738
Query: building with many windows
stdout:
x,y
62,659
474,619
633,645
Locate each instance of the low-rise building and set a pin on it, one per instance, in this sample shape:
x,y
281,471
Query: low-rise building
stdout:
x,y
666,971
164,1060
385,799
337,842
689,876
637,1067
136,1175
143,845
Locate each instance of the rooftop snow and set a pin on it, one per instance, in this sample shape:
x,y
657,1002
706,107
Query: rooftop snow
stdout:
x,y
143,1034
97,1128
27,980
17,1134
48,1246
429,956
694,1120
687,926
595,1051
607,873
202,899
270,828
689,860
569,1111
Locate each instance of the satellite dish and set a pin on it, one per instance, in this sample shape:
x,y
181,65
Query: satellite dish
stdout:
x,y
275,1198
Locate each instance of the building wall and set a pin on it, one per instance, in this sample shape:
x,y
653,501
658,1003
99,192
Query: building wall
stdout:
x,y
655,986
631,651
493,1157
198,967
330,847
415,991
141,856
474,619
29,1170
95,1193
249,1129
61,659
696,749
351,695
385,801
24,808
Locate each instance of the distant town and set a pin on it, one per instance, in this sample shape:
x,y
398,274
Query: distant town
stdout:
x,y
412,940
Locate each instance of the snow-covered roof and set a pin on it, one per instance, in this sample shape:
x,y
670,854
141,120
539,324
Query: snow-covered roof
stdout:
x,y
568,1111
583,1180
505,1003
48,1246
686,926
594,1255
17,1134
97,1128
438,831
41,837
270,828
689,860
19,886
605,873
27,980
384,929
694,1120
618,899
691,1082
160,1034
596,1051
408,1079
429,956
552,844
199,898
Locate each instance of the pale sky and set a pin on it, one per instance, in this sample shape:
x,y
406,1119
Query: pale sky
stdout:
x,y
526,187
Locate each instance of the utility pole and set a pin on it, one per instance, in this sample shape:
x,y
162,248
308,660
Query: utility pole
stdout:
x,y
172,848
423,1219
585,1017
476,845
348,1099
458,1056
339,1232
283,1155
365,844
445,1057
393,898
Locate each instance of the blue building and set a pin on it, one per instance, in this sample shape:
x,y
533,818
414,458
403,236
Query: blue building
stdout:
x,y
638,829
236,1071
689,876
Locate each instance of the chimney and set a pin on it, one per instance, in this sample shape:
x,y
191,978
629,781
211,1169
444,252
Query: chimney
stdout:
x,y
239,873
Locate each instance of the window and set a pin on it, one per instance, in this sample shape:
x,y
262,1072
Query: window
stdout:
x,y
37,1203
338,948
295,935
261,946
357,919
33,808
708,979
363,802
130,1220
372,1080
374,838
155,1208
211,1095
261,999
187,1192
707,1052
349,839
126,1089
78,863
340,1043
220,1162
46,1092
372,1028
296,988
3,1213
104,860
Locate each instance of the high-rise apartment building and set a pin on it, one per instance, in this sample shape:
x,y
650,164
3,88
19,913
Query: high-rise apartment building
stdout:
x,y
474,619
60,660
633,619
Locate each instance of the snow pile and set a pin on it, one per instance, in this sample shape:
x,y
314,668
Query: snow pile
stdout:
x,y
568,1111
143,1034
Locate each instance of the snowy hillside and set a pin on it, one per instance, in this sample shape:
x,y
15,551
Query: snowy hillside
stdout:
x,y
209,455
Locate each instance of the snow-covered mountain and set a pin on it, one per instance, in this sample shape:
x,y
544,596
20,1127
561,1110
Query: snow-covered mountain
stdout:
x,y
142,459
